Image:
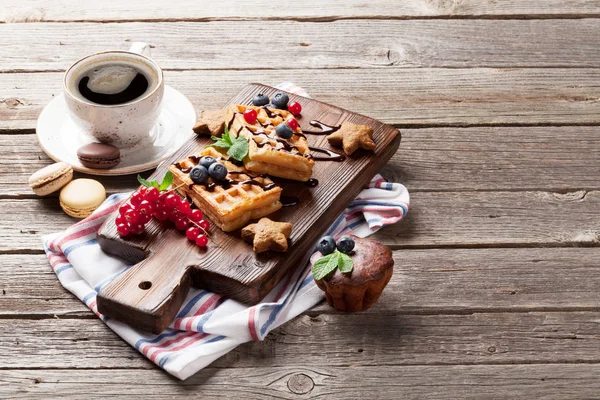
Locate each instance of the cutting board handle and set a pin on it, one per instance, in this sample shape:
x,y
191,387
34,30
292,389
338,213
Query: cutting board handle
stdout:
x,y
149,293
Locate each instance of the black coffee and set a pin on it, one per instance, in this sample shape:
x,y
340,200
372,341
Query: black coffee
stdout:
x,y
113,84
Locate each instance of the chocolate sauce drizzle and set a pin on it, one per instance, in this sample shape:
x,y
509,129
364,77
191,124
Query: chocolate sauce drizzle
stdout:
x,y
325,129
331,155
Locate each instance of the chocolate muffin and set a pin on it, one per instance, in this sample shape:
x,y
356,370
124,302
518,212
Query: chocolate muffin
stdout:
x,y
360,289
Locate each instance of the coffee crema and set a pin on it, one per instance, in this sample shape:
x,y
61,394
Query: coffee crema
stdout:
x,y
112,84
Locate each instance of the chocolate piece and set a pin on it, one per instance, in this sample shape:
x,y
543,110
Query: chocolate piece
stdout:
x,y
361,288
212,123
99,156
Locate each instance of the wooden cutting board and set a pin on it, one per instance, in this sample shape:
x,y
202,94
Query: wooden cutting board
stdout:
x,y
149,294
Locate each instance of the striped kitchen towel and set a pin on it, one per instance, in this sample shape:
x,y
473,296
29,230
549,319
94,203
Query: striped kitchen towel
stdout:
x,y
208,325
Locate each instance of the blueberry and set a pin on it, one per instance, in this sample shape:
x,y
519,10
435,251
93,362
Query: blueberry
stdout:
x,y
345,244
199,174
326,245
284,131
280,100
207,161
260,99
217,171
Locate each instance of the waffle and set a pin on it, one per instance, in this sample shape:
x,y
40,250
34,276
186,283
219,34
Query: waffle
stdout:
x,y
267,153
228,206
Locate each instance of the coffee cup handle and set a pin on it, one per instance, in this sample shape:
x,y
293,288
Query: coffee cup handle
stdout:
x,y
140,48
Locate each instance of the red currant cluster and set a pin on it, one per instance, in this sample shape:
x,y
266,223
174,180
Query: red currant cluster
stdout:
x,y
166,205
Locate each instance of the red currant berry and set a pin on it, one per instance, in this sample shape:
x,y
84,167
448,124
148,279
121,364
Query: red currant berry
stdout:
x,y
145,207
204,225
295,108
196,215
192,233
172,200
123,229
292,123
161,215
144,218
124,208
136,198
182,223
250,116
120,220
184,207
136,228
132,216
202,240
152,194
161,197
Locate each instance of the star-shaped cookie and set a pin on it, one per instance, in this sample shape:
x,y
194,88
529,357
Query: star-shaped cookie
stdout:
x,y
268,235
351,137
212,123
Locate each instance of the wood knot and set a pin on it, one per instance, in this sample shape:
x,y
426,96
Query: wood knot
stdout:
x,y
12,102
300,384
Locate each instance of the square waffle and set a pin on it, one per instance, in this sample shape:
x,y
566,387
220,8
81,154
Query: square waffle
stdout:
x,y
232,204
267,152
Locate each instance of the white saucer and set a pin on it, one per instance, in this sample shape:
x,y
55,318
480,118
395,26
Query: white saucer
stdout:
x,y
60,138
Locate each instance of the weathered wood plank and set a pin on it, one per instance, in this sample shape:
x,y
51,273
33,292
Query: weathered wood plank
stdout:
x,y
421,96
341,44
484,158
368,338
156,10
435,219
450,159
424,281
548,381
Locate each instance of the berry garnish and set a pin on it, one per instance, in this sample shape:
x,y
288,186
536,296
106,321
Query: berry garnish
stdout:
x,y
199,174
152,194
280,100
132,216
202,240
161,215
207,161
284,131
192,233
136,228
145,207
182,223
326,245
295,108
184,207
124,208
260,99
123,229
196,215
292,123
120,220
345,244
204,225
217,171
172,200
250,116
136,198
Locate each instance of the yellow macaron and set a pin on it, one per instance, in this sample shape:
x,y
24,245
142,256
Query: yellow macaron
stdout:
x,y
80,197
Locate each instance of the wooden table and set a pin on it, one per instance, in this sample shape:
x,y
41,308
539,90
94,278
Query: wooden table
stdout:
x,y
495,289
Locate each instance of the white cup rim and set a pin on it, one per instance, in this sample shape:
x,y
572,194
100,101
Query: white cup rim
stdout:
x,y
89,103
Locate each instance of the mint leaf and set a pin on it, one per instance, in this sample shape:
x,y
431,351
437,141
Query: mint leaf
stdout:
x,y
239,148
166,182
345,263
146,183
325,265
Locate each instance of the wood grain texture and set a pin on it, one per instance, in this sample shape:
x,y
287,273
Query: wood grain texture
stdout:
x,y
508,279
438,159
342,44
548,381
333,340
404,98
313,10
424,281
228,266
458,219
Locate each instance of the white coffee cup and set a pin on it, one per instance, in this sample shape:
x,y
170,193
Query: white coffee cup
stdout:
x,y
122,125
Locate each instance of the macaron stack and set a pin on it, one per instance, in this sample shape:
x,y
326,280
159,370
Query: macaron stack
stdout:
x,y
78,198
